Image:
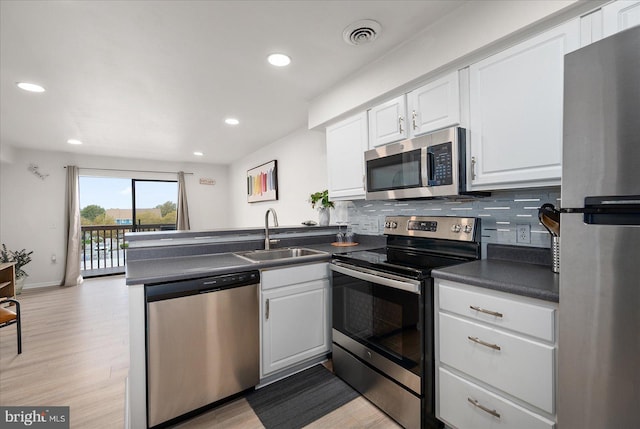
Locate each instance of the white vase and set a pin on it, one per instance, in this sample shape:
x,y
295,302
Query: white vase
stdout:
x,y
19,285
323,214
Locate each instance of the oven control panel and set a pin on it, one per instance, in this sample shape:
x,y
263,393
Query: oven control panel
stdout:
x,y
422,225
442,227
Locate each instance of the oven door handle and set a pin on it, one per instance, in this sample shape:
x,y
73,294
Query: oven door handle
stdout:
x,y
377,277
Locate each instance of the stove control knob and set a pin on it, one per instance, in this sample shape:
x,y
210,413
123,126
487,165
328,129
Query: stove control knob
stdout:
x,y
387,224
468,229
455,228
394,224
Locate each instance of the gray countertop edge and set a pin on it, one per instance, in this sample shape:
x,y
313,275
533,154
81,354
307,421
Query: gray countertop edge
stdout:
x,y
136,237
519,278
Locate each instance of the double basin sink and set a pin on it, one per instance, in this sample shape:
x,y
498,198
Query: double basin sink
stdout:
x,y
278,254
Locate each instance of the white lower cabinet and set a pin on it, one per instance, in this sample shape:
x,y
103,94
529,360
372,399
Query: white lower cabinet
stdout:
x,y
512,364
466,405
295,316
495,358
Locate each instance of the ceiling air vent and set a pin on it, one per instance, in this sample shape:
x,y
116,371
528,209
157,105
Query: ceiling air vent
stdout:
x,y
361,32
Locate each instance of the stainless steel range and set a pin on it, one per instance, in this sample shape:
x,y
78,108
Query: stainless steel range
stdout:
x,y
383,312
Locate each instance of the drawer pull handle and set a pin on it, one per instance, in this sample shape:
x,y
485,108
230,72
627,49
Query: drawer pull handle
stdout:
x,y
479,341
477,404
482,310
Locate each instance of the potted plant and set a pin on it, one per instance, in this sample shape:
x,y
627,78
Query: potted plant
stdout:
x,y
321,200
21,258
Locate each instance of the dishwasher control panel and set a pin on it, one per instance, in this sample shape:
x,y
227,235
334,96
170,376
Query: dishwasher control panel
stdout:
x,y
169,290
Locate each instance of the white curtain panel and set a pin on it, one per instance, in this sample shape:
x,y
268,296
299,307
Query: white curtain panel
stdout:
x,y
72,274
183,208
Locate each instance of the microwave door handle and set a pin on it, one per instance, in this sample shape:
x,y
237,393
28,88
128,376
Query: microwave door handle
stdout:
x,y
424,160
431,167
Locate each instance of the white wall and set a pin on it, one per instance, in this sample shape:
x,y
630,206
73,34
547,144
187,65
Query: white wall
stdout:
x,y
302,170
475,29
32,210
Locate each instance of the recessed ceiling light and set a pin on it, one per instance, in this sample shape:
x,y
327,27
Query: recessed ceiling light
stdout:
x,y
278,60
31,87
74,141
198,153
231,121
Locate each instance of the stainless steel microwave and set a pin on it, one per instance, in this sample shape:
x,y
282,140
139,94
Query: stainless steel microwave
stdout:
x,y
433,165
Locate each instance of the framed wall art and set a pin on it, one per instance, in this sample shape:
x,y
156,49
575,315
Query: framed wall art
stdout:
x,y
262,182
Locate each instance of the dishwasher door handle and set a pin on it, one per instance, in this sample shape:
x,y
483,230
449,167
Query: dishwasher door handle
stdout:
x,y
266,305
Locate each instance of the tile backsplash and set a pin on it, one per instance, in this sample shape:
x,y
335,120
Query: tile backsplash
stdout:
x,y
501,214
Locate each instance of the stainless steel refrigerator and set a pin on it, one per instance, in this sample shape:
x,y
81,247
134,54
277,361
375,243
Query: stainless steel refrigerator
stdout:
x,y
599,316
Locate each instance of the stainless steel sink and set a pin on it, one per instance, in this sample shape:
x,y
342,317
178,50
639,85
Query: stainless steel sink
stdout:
x,y
275,254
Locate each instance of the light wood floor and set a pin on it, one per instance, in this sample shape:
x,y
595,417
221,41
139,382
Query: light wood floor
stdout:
x,y
75,353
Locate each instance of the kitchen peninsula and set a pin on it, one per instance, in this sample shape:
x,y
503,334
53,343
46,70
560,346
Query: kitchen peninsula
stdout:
x,y
164,265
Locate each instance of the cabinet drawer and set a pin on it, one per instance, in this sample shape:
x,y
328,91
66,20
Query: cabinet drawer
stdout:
x,y
278,277
520,367
456,400
508,313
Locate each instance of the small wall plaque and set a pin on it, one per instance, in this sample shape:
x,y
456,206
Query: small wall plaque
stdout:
x,y
207,181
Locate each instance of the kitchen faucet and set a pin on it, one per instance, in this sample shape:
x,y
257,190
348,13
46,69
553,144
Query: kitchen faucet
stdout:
x,y
267,242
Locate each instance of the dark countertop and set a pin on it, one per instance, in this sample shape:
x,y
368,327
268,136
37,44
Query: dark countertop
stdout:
x,y
535,281
169,269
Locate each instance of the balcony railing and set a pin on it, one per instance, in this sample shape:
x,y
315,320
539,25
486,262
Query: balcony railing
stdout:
x,y
103,247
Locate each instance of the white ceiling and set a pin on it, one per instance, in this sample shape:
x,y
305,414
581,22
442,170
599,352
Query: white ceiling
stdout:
x,y
156,79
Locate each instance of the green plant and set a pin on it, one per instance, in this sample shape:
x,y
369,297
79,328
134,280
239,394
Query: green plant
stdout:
x,y
20,257
321,199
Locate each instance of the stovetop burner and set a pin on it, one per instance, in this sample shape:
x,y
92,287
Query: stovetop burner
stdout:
x,y
373,256
418,244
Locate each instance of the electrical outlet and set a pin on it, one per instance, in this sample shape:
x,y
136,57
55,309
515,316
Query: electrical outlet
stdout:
x,y
523,233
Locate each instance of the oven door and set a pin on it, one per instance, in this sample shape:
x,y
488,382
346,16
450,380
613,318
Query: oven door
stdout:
x,y
379,318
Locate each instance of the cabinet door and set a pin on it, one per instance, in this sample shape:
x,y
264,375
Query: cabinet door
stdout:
x,y
516,104
434,106
346,144
295,324
620,15
388,122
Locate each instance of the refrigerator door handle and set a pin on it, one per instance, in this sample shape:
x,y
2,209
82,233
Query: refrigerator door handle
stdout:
x,y
609,210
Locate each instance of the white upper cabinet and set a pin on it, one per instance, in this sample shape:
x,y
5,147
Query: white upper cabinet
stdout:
x,y
431,107
516,104
388,122
591,28
435,105
346,143
620,15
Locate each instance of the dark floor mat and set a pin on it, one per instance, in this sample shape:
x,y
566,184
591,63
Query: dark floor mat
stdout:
x,y
298,400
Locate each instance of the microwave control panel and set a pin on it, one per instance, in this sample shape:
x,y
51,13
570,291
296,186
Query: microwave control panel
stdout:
x,y
440,164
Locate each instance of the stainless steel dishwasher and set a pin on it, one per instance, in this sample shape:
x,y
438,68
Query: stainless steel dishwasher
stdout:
x,y
202,343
